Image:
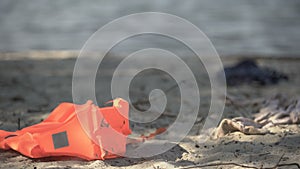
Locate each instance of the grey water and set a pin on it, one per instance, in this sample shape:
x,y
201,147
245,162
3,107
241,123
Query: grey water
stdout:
x,y
235,27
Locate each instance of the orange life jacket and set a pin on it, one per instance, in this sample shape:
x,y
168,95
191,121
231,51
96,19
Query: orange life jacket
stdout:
x,y
61,134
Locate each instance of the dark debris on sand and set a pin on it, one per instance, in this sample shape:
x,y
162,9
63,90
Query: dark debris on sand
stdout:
x,y
248,72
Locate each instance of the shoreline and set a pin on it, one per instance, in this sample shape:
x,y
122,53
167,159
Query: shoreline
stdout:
x,y
69,54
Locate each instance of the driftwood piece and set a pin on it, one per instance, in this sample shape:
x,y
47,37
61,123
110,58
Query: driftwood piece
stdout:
x,y
242,124
279,111
275,111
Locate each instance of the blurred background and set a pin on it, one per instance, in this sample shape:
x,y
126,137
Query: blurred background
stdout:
x,y
235,27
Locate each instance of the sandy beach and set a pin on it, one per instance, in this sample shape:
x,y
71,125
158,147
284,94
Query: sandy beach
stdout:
x,y
32,84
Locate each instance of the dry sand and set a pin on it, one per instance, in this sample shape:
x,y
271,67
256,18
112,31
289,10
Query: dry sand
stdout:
x,y
31,86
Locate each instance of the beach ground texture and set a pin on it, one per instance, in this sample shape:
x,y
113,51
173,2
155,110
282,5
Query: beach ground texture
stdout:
x,y
32,84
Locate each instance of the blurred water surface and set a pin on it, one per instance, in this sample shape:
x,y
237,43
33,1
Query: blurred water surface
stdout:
x,y
234,26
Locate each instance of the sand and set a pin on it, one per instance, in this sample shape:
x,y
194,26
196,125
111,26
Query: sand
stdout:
x,y
31,86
